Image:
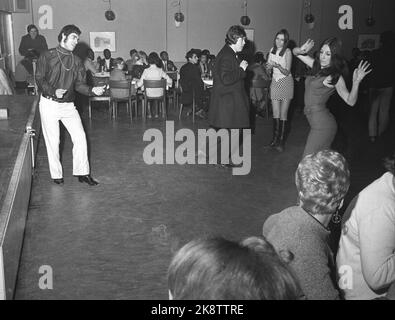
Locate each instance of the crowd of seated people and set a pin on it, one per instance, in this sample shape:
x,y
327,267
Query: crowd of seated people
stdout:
x,y
139,67
293,260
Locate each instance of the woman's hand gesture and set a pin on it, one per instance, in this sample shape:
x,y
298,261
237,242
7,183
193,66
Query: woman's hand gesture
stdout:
x,y
361,71
307,46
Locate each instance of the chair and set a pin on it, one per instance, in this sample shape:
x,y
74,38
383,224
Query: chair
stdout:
x,y
130,98
151,84
99,98
105,97
264,85
183,103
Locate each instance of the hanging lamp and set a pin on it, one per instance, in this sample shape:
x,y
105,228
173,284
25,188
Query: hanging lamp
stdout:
x,y
245,20
109,14
178,16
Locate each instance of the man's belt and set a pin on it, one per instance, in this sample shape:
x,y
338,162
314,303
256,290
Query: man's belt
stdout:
x,y
54,98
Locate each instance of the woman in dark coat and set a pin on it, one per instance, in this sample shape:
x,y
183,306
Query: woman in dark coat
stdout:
x,y
229,106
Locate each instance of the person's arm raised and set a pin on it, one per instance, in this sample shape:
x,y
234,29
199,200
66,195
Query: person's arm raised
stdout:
x,y
300,52
350,97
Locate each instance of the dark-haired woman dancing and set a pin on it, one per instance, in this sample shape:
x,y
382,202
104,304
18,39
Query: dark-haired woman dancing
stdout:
x,y
326,76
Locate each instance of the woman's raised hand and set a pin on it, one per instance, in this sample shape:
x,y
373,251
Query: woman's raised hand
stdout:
x,y
307,46
361,71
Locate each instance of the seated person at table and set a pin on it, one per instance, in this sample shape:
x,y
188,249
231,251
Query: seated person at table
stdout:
x,y
90,63
219,269
24,70
131,62
107,64
167,65
144,58
203,63
154,72
117,74
191,81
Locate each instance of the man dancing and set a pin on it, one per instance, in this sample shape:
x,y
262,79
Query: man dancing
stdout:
x,y
59,73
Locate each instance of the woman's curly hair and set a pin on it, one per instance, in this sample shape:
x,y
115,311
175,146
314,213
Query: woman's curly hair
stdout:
x,y
322,180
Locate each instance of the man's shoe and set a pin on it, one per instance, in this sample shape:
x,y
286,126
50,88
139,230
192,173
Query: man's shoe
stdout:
x,y
58,181
88,179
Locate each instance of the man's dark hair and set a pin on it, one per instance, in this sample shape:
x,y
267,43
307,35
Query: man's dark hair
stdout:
x,y
234,33
191,52
67,30
205,52
133,51
30,27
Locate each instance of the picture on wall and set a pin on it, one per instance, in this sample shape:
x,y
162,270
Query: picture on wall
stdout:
x,y
250,34
102,40
368,41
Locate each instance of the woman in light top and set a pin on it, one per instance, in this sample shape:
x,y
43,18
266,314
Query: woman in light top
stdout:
x,y
326,76
154,72
282,86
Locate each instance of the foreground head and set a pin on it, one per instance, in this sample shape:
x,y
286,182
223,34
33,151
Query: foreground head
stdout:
x,y
69,36
322,180
32,31
218,269
281,41
235,37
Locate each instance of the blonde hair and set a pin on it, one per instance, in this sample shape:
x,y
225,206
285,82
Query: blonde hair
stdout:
x,y
322,180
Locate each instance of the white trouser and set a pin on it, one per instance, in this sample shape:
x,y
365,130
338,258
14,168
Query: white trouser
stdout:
x,y
51,112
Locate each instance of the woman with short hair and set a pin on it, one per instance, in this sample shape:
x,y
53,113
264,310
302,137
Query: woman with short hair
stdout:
x,y
322,181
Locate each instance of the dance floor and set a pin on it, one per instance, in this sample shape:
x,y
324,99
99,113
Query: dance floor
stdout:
x,y
115,240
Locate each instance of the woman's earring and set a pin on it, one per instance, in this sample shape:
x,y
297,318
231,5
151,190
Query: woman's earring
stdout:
x,y
336,218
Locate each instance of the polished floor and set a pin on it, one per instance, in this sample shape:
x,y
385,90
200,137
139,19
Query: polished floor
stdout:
x,y
115,240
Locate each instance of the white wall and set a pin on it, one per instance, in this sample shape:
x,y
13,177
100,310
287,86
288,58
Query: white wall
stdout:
x,y
149,24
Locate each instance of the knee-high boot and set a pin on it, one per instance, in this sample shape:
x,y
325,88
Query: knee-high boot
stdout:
x,y
281,139
276,131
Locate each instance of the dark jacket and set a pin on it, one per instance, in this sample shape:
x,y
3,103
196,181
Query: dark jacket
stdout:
x,y
60,69
38,44
229,107
296,231
190,81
